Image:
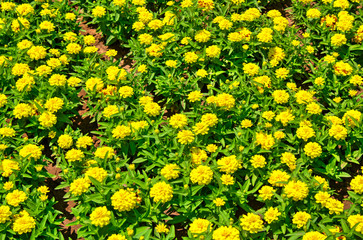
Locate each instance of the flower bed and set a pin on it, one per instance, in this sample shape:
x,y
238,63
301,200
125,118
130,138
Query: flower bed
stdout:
x,y
236,120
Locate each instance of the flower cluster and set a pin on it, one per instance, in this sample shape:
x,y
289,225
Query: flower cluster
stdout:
x,y
231,123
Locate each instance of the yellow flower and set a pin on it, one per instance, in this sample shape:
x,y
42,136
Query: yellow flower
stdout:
x,y
313,108
246,123
219,202
104,151
213,51
22,110
322,197
19,23
251,223
280,96
152,109
342,69
47,119
305,132
155,24
110,110
211,148
291,86
100,216
7,132
295,43
98,11
25,83
43,197
5,213
352,116
338,132
161,191
24,9
313,13
225,100
258,161
227,179
297,190
314,236
272,214
310,49
47,25
265,140
200,225
201,73
338,40
43,189
266,192
185,136
24,224
210,119
178,121
357,184
319,81
251,69
171,63
356,221
97,173
38,167
116,237
356,80
301,219
139,125
7,186
273,13
170,171
111,53
224,233
3,147
313,150
142,68
279,134
202,175
289,159
94,83
202,36
54,104
15,197
229,164
73,81
31,150
321,181
8,166
278,178
37,52
3,100
70,16
265,35
65,141
282,73
162,228
79,186
124,200
190,57
268,115
120,132
195,96
200,128
285,117
334,206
